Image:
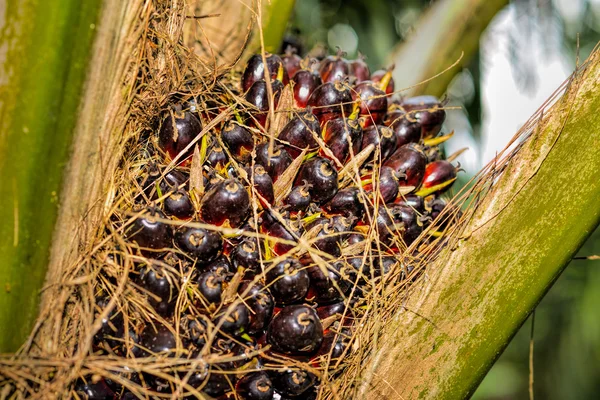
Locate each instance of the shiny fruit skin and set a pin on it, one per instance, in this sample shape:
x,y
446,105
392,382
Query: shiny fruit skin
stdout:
x,y
298,199
261,304
407,216
373,103
258,96
158,339
346,202
320,174
288,281
238,140
439,172
360,69
428,111
382,137
331,100
405,128
293,383
255,386
296,330
305,83
227,202
409,161
291,63
388,184
200,243
210,286
334,68
343,137
263,184
299,134
159,282
174,136
233,319
255,70
247,255
276,162
148,232
179,205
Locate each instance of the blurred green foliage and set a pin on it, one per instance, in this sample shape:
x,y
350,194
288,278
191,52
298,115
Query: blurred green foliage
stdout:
x,y
567,321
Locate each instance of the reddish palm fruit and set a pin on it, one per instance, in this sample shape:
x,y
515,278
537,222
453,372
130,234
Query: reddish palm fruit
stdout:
x,y
408,218
294,383
383,79
298,199
382,137
328,286
428,111
291,62
406,129
343,224
210,286
260,302
414,201
331,100
179,205
158,339
389,184
255,70
177,131
233,318
216,157
433,153
330,310
346,202
161,284
148,232
287,281
373,103
202,244
437,173
296,330
246,254
258,96
290,232
383,225
226,203
300,133
334,68
328,238
87,389
263,184
238,140
359,69
343,137
410,162
255,386
322,178
305,83
276,162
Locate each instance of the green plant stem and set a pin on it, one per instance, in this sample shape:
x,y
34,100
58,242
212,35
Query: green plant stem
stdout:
x,y
528,227
45,47
449,30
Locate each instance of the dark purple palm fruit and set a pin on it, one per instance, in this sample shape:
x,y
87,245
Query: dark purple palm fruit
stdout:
x,y
296,330
260,302
238,140
293,383
216,157
178,204
291,62
258,96
382,137
263,184
220,380
247,254
328,286
289,231
298,199
177,131
288,281
226,203
274,162
158,340
321,176
112,324
389,184
299,134
383,79
343,137
255,386
202,244
221,266
210,286
407,219
437,174
255,70
410,162
346,202
328,237
406,128
148,232
174,179
305,82
148,178
412,200
87,389
359,69
384,224
372,102
196,329
435,208
331,100
428,111
233,318
335,344
163,288
334,68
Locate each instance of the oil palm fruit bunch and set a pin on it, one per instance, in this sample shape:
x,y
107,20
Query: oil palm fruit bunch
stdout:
x,y
249,233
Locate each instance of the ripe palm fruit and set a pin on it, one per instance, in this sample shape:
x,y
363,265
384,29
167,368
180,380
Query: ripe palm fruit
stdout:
x,y
321,176
296,330
406,128
305,82
162,285
179,205
274,160
255,70
148,232
299,134
291,62
260,302
258,96
331,100
439,174
346,202
343,137
288,281
238,140
381,137
263,184
226,203
409,161
177,131
428,111
202,244
334,68
383,79
255,386
372,103
360,69
293,383
298,199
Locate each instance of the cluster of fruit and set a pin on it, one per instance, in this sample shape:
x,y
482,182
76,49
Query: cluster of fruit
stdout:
x,y
259,246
